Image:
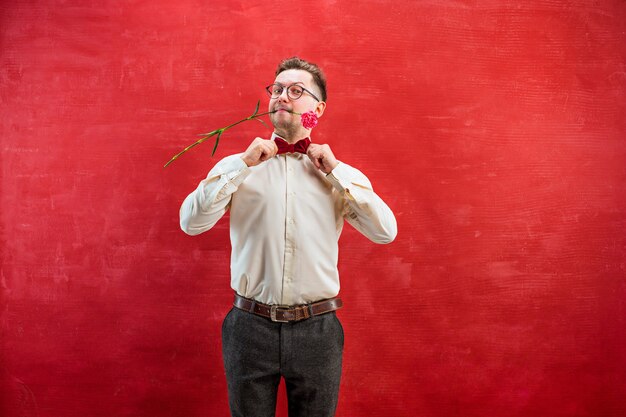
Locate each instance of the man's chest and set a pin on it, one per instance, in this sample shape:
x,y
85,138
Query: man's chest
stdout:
x,y
285,186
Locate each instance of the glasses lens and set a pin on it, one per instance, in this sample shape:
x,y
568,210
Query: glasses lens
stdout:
x,y
275,90
295,91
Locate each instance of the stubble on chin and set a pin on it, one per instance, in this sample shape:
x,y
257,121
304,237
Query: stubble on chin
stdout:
x,y
286,129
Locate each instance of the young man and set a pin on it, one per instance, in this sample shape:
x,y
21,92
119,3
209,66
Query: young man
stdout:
x,y
288,199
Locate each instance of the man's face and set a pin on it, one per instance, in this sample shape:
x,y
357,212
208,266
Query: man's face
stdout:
x,y
282,119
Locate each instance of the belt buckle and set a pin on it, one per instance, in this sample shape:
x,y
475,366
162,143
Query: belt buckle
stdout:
x,y
273,309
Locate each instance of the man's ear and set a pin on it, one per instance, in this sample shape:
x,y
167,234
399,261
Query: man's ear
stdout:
x,y
319,109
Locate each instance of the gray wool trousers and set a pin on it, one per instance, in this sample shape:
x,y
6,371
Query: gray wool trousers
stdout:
x,y
258,352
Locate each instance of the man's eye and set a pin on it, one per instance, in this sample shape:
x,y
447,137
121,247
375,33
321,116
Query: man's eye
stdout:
x,y
295,90
277,90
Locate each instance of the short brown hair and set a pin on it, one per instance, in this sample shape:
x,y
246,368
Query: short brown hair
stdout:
x,y
296,63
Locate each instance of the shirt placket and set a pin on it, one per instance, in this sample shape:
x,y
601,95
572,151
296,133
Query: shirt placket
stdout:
x,y
290,232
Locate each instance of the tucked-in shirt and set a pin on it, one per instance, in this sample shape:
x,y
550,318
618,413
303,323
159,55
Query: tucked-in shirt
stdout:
x,y
286,217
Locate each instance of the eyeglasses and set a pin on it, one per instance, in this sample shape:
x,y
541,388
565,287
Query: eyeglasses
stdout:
x,y
294,91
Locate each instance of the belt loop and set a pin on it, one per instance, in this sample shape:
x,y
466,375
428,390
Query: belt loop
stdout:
x,y
310,307
252,305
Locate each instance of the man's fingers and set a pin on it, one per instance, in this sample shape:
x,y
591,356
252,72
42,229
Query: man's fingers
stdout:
x,y
269,149
322,157
260,150
312,154
273,148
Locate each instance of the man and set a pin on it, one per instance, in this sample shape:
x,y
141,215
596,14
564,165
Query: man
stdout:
x,y
288,199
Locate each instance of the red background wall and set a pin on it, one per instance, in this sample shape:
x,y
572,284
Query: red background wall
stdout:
x,y
495,130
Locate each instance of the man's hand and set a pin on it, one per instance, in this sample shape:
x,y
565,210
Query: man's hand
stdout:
x,y
322,157
260,150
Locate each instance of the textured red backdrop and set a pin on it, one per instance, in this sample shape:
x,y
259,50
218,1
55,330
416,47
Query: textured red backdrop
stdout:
x,y
495,130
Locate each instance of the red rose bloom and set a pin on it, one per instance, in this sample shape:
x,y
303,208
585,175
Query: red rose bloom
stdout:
x,y
309,120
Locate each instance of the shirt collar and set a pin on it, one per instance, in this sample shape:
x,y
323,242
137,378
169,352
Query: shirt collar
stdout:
x,y
274,135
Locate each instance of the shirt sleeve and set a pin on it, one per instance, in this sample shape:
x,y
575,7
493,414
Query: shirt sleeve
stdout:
x,y
364,209
210,200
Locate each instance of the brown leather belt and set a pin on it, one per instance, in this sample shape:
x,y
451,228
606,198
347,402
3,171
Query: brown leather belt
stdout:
x,y
284,314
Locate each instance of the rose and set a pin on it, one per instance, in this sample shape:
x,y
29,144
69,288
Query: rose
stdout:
x,y
309,120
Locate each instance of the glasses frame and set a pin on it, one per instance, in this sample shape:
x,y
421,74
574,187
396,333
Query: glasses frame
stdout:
x,y
287,87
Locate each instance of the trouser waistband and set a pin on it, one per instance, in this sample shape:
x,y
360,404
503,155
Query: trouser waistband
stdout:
x,y
284,314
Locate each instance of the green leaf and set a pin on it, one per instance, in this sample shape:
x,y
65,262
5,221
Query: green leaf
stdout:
x,y
217,140
258,103
209,133
263,121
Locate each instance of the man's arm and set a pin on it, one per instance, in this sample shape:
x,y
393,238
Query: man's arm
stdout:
x,y
209,201
365,210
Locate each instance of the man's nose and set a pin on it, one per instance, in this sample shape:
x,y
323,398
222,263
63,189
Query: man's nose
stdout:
x,y
284,93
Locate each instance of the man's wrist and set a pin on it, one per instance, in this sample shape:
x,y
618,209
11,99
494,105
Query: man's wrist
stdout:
x,y
335,166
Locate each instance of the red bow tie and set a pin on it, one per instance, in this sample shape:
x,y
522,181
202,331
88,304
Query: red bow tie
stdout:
x,y
300,146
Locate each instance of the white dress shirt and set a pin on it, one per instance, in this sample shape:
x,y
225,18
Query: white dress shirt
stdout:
x,y
286,217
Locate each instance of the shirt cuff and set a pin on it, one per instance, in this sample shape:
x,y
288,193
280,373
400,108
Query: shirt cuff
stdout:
x,y
234,172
